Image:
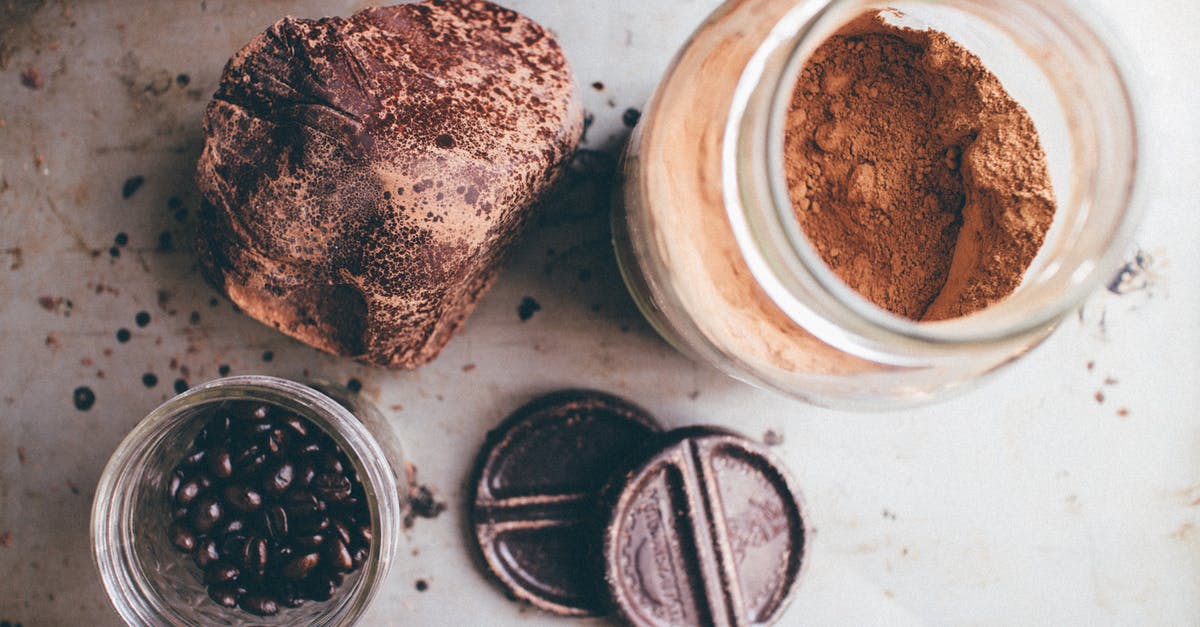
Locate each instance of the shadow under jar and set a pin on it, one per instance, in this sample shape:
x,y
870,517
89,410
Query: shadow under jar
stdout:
x,y
710,246
150,582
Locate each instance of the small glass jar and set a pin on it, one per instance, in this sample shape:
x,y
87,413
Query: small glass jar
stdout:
x,y
151,583
711,249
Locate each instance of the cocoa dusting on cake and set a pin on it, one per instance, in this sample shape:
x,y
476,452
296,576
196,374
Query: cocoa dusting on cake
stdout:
x,y
362,178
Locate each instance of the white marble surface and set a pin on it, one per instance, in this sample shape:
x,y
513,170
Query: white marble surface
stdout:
x,y
1066,491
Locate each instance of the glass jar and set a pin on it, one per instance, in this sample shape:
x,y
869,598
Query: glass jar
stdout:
x,y
151,583
711,249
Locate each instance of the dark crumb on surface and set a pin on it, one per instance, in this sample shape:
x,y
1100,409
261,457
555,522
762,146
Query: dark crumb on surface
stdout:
x,y
468,368
268,356
1091,365
213,302
1110,380
72,487
630,117
123,335
1099,396
21,454
50,303
121,239
527,308
149,379
132,185
223,370
114,252
183,80
6,539
598,86
194,318
694,394
421,502
165,242
31,78
181,386
588,120
1123,412
83,398
52,341
422,585
354,385
772,438
142,318
889,515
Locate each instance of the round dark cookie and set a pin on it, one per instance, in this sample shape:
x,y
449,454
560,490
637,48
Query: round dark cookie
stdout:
x,y
533,502
705,528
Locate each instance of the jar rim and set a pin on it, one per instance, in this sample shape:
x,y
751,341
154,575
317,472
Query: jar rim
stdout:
x,y
792,268
111,530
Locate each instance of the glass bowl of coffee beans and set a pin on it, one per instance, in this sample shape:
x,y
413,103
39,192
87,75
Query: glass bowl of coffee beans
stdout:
x,y
249,500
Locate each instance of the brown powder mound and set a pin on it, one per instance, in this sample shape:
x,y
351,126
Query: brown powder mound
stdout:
x,y
915,176
362,178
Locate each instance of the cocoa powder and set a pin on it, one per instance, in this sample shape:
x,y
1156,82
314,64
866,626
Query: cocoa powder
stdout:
x,y
916,177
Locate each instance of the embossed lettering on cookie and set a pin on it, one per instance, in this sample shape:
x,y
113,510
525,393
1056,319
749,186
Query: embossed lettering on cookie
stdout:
x,y
706,530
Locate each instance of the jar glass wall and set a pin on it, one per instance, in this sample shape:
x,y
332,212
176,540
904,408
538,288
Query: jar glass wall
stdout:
x,y
711,249
150,583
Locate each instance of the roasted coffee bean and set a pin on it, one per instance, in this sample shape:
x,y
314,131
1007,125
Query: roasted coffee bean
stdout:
x,y
321,587
250,431
220,572
234,526
279,478
309,540
188,492
310,448
337,556
206,513
288,596
331,487
242,497
253,412
305,474
367,534
195,459
223,594
328,462
342,532
233,546
220,464
275,522
179,513
174,483
182,537
296,424
274,444
206,553
243,452
299,567
254,464
359,557
259,605
254,555
213,433
314,524
281,552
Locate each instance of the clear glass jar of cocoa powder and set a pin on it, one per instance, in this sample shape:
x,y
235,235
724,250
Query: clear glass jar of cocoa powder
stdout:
x,y
710,244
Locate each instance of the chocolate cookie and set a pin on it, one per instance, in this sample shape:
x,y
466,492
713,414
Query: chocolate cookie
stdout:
x,y
362,178
705,530
533,510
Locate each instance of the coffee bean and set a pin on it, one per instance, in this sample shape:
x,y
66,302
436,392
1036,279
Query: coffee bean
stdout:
x,y
205,514
280,553
243,453
273,444
234,527
342,532
254,464
206,553
337,556
254,412
179,513
321,588
250,430
232,546
279,478
254,555
305,474
182,537
288,596
213,433
189,491
259,605
309,540
367,534
173,485
220,464
220,572
315,524
299,567
331,487
275,522
195,459
359,557
223,594
242,498
296,424
328,462
204,480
